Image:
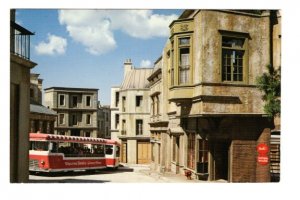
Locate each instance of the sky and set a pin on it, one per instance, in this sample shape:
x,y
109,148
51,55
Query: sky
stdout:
x,y
87,48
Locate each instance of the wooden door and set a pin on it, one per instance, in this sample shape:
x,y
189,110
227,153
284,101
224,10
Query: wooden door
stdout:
x,y
124,152
144,152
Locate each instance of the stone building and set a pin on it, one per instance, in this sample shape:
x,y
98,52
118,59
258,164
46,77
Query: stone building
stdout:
x,y
130,115
20,65
104,121
36,85
114,112
41,119
159,118
208,114
76,110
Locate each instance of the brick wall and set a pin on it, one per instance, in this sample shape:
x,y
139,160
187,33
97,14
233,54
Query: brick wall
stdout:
x,y
263,171
243,161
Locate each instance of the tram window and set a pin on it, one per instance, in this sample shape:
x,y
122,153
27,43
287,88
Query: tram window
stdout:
x,y
53,147
39,145
117,151
108,149
98,149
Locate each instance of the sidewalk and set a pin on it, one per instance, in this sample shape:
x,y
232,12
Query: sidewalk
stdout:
x,y
167,177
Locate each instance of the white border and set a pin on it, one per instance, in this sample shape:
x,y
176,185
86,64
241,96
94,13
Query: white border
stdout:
x,y
290,110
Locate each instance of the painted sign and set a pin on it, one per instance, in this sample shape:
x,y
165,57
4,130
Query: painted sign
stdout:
x,y
262,149
263,160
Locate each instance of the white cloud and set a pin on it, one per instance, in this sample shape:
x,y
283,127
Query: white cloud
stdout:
x,y
145,63
54,45
94,28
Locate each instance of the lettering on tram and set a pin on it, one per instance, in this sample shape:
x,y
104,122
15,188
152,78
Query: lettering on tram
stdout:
x,y
54,153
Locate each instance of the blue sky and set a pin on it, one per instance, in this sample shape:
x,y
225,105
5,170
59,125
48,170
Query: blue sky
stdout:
x,y
87,48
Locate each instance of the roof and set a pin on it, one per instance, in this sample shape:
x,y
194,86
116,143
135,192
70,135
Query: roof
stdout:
x,y
137,79
35,108
71,88
65,138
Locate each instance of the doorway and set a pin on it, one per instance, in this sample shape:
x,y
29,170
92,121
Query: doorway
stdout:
x,y
220,150
124,152
143,152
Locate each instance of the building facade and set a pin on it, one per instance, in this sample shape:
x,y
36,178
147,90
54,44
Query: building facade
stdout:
x,y
20,65
130,115
115,112
41,119
160,140
76,110
104,121
208,114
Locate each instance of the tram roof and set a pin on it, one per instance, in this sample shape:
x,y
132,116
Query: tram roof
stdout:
x,y
65,138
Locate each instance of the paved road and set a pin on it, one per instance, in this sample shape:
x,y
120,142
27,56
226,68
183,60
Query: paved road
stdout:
x,y
132,174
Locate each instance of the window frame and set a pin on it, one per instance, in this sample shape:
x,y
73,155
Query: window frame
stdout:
x,y
138,128
90,101
138,100
245,70
74,116
88,119
186,69
63,119
59,99
191,150
202,151
73,102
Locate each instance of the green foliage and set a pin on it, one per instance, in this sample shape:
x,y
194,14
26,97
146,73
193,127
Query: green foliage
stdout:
x,y
269,84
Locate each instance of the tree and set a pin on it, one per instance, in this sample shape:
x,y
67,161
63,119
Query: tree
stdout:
x,y
269,84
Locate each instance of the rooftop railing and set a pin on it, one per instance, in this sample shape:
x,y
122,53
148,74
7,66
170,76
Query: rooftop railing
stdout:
x,y
20,41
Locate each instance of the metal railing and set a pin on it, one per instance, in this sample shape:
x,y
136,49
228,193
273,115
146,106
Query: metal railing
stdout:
x,y
20,40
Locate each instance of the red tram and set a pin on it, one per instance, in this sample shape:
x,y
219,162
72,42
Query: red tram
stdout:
x,y
55,153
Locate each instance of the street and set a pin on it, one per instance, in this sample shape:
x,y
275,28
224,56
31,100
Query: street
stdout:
x,y
125,174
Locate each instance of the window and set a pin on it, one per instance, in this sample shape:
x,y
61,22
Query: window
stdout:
x,y
117,151
172,64
233,53
139,127
106,131
202,164
61,118
108,149
88,119
117,121
184,60
117,99
74,119
61,100
175,149
191,151
88,100
157,105
87,134
123,132
124,104
106,117
39,145
138,101
74,99
98,149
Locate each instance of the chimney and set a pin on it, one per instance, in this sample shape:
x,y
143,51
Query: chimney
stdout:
x,y
127,66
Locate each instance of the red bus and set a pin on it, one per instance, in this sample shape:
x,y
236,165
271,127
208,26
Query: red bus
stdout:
x,y
56,153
